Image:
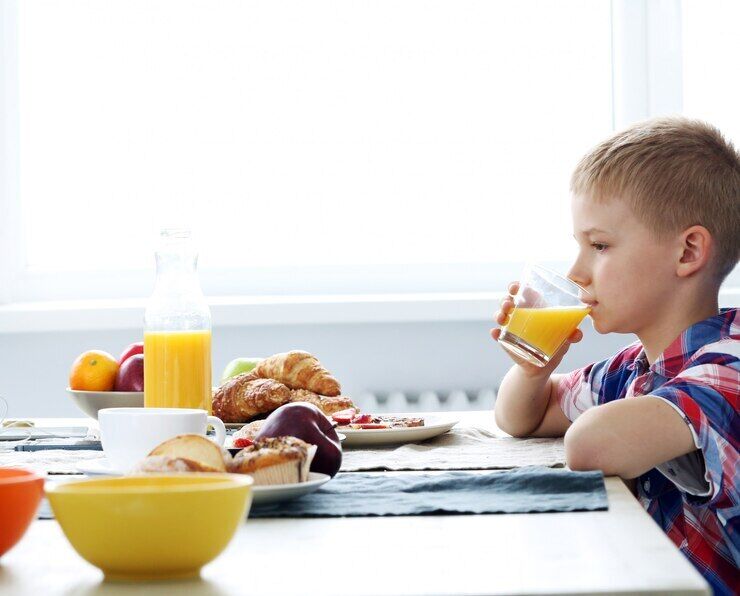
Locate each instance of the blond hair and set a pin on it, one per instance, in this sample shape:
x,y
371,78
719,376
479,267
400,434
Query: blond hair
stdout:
x,y
674,173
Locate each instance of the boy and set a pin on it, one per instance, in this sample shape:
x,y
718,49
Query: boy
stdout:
x,y
656,214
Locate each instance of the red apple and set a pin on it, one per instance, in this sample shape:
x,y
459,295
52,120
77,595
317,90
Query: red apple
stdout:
x,y
130,375
307,422
131,350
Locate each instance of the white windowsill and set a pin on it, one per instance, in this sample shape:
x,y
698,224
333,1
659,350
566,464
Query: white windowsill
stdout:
x,y
30,317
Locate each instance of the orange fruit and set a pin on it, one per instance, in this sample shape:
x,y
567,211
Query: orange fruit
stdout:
x,y
93,370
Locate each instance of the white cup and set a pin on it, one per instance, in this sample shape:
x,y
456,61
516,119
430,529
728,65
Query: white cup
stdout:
x,y
129,434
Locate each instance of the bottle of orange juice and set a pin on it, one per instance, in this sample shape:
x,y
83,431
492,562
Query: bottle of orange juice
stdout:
x,y
177,329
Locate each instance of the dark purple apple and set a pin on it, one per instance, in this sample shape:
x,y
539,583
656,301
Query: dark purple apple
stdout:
x,y
308,423
130,375
131,350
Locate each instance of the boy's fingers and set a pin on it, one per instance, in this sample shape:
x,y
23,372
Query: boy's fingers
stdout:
x,y
502,318
576,336
513,287
495,333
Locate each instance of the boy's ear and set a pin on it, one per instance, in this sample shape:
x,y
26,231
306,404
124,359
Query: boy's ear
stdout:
x,y
696,244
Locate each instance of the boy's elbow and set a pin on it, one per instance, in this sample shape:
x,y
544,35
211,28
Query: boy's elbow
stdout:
x,y
501,421
588,446
505,425
581,453
585,446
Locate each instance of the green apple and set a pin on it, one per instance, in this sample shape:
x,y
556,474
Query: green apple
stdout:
x,y
238,366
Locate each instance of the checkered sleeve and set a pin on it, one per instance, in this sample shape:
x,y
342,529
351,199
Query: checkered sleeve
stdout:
x,y
706,393
594,384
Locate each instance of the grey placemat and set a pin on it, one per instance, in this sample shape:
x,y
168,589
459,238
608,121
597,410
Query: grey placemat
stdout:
x,y
462,448
526,490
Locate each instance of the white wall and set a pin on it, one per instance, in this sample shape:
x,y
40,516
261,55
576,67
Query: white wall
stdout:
x,y
364,357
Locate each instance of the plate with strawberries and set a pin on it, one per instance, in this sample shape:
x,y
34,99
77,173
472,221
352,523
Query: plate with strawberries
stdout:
x,y
366,430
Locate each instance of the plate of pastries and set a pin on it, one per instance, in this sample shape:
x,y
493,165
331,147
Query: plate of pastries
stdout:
x,y
246,400
279,466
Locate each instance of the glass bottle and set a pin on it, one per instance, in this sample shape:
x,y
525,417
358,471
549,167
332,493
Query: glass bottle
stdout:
x,y
177,329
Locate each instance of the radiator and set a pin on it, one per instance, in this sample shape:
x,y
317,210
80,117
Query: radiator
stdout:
x,y
426,401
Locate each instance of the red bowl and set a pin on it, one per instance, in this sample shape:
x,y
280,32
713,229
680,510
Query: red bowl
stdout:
x,y
20,493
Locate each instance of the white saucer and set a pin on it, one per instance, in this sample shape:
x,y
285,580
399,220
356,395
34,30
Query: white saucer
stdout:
x,y
276,493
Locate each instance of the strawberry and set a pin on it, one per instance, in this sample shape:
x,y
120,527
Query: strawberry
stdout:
x,y
344,417
243,442
347,412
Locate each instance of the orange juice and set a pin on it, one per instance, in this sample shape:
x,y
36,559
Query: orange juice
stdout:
x,y
544,329
177,369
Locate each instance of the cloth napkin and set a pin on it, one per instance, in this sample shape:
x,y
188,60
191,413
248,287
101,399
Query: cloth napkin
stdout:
x,y
526,490
464,448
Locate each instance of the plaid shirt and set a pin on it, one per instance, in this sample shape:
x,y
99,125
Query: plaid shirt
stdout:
x,y
694,498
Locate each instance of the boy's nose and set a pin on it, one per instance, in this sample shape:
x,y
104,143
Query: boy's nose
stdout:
x,y
578,275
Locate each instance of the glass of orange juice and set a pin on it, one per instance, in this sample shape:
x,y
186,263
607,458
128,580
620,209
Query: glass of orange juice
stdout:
x,y
547,309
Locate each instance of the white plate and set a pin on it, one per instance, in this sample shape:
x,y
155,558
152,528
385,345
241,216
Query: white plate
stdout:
x,y
262,495
98,467
390,436
276,493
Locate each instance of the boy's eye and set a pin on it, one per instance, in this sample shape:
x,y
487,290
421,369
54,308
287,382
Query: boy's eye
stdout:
x,y
598,246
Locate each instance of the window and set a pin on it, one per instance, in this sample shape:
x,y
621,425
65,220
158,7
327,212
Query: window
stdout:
x,y
710,88
372,142
711,46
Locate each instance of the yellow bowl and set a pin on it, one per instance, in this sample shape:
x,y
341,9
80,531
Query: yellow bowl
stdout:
x,y
154,526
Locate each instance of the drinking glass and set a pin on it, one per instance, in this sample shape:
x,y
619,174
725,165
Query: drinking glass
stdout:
x,y
547,309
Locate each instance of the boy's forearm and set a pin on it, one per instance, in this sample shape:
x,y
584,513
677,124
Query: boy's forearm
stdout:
x,y
521,402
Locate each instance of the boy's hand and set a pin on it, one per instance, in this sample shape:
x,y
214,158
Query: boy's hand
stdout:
x,y
502,318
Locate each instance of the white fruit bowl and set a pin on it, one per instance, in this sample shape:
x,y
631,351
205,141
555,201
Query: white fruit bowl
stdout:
x,y
91,402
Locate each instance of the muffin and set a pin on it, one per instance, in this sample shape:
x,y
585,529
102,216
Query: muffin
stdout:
x,y
278,460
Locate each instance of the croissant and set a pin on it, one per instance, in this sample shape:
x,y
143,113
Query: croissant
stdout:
x,y
245,396
298,370
328,405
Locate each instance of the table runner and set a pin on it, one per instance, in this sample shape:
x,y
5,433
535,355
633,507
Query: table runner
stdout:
x,y
51,461
526,490
463,448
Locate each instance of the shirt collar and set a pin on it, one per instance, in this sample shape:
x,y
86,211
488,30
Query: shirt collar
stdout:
x,y
674,357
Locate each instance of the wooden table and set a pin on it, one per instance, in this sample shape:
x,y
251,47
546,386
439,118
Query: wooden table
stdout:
x,y
621,550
